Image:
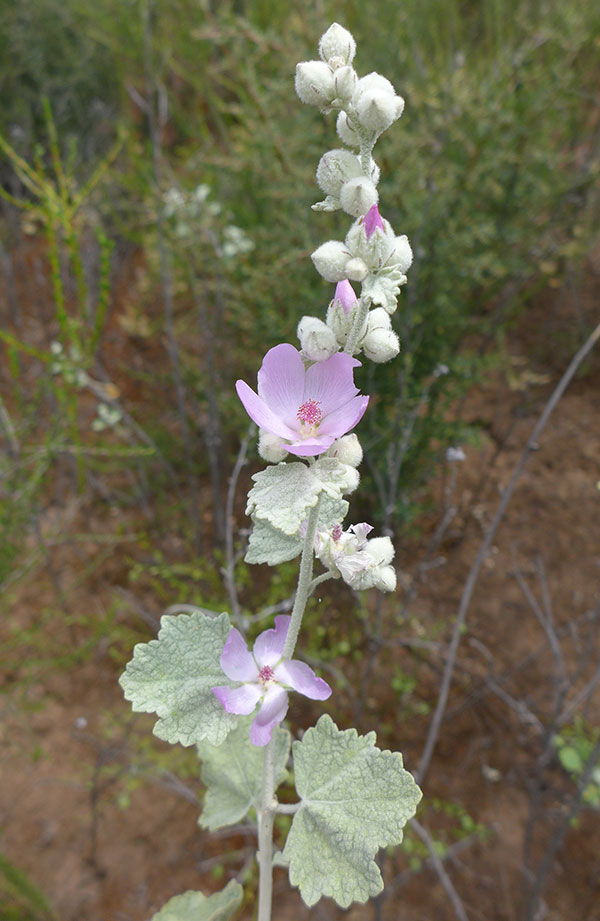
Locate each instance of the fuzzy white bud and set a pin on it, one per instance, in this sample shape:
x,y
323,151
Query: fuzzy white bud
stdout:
x,y
269,447
314,83
345,82
399,101
347,449
402,254
337,43
376,110
356,270
317,340
330,261
381,345
378,318
373,82
358,195
374,250
345,132
335,168
384,578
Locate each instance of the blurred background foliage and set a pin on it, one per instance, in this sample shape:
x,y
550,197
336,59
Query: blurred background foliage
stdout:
x,y
491,172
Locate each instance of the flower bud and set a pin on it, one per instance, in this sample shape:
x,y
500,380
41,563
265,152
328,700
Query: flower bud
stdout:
x,y
330,261
381,345
356,270
376,110
401,255
373,82
314,83
358,195
347,449
335,168
381,549
375,248
345,81
269,447
344,293
399,105
345,132
317,340
378,318
384,578
337,42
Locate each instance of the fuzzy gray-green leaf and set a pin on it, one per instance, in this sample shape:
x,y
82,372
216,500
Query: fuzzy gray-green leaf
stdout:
x,y
355,799
195,906
232,773
268,545
172,676
283,495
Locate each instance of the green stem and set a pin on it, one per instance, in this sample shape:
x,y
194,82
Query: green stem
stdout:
x,y
265,835
359,319
304,582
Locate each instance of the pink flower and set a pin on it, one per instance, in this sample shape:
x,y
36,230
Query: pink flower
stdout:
x,y
307,409
265,677
344,293
372,221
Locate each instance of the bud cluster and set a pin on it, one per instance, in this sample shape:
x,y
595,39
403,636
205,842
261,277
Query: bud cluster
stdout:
x,y
360,562
371,254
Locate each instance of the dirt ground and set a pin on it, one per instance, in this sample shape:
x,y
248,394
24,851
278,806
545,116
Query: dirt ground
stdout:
x,y
108,844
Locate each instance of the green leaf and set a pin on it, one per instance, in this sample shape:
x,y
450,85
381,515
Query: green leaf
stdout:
x,y
355,799
194,906
283,494
232,774
268,545
172,676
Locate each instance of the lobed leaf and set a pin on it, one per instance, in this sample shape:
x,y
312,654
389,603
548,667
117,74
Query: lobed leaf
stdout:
x,y
172,676
232,773
355,799
195,906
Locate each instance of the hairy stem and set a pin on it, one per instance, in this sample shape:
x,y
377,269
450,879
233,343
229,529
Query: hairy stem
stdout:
x,y
304,582
265,835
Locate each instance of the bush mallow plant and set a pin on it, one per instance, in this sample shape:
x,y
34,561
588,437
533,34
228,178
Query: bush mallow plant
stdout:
x,y
199,676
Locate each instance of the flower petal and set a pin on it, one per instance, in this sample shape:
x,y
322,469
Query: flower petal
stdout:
x,y
236,661
268,647
240,700
309,447
260,413
300,677
281,383
331,382
273,709
344,418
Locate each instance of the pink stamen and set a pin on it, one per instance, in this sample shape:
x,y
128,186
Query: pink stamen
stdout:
x,y
266,674
336,532
310,413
